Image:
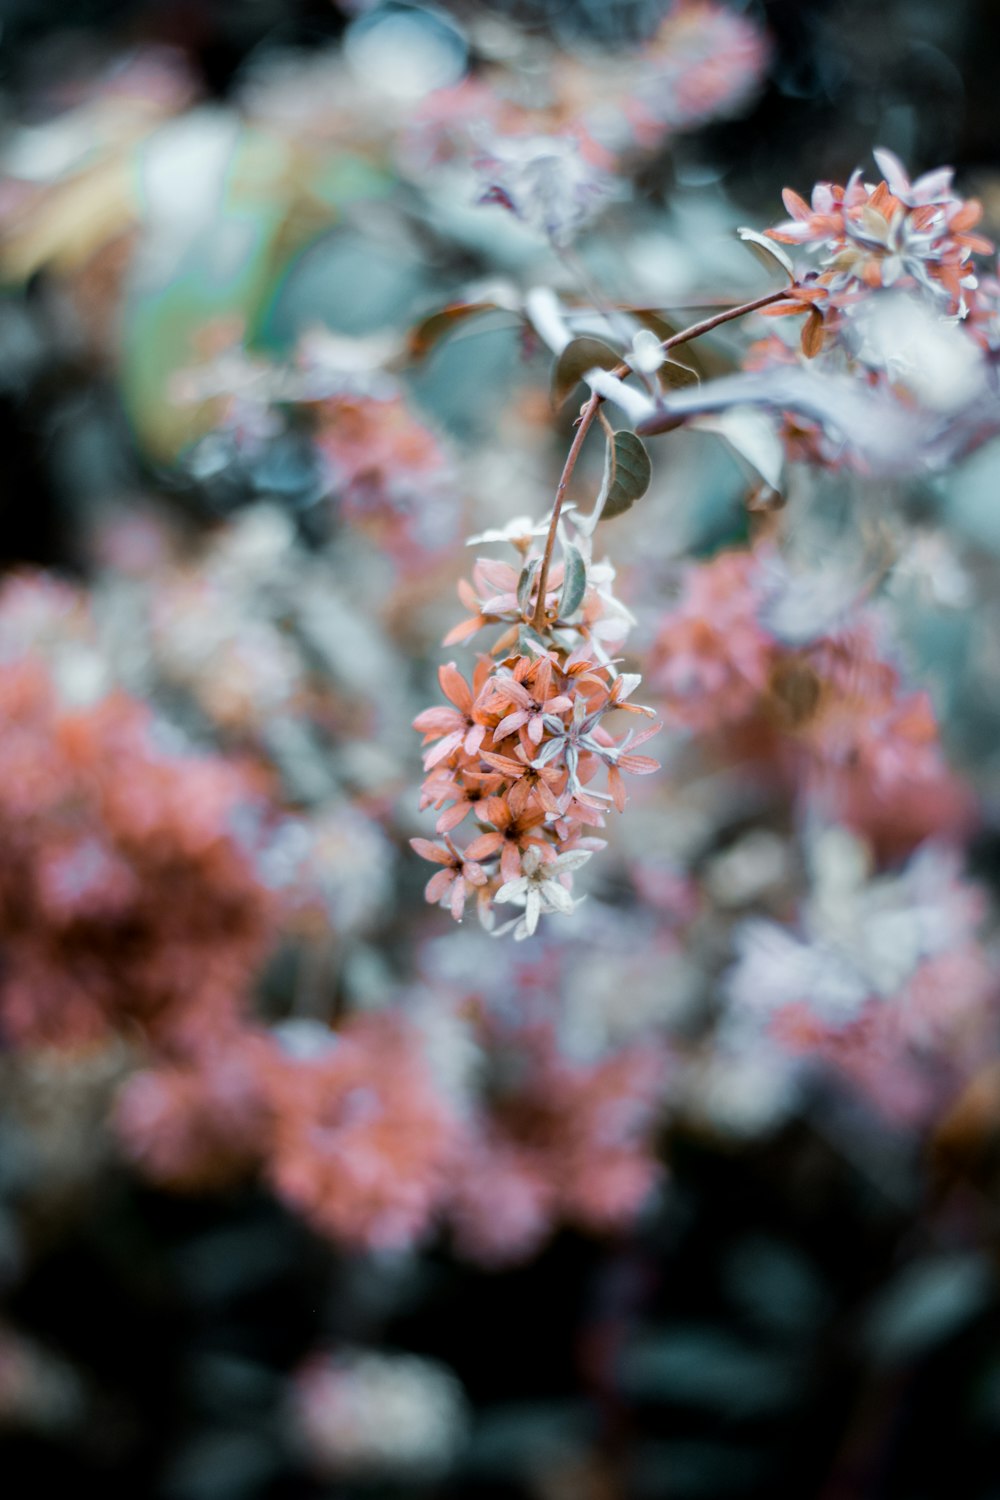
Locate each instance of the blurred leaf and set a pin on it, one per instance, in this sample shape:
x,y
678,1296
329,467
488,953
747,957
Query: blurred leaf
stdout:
x,y
704,358
433,329
753,438
223,1464
674,376
709,1468
575,581
890,437
929,1302
527,1438
703,1366
774,1285
579,356
768,252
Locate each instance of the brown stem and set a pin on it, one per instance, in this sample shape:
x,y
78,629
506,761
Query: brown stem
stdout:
x,y
584,422
589,412
707,324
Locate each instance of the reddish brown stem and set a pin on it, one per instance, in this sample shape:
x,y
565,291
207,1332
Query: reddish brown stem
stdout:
x,y
589,412
707,324
586,417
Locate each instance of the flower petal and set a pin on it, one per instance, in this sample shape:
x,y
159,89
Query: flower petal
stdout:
x,y
434,852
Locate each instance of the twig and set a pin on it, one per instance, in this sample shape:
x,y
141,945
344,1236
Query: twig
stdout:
x,y
590,410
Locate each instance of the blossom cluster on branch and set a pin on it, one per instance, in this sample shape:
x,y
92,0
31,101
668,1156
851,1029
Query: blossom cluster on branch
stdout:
x,y
521,747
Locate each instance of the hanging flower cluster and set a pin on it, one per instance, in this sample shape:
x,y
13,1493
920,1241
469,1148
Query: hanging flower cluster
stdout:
x,y
520,747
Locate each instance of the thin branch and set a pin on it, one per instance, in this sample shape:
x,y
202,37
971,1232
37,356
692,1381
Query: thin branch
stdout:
x,y
584,422
589,412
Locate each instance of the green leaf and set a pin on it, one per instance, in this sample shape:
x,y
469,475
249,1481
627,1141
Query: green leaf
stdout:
x,y
674,376
579,356
627,472
574,581
526,582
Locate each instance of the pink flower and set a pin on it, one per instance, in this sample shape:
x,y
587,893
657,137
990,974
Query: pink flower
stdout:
x,y
453,884
453,727
362,1143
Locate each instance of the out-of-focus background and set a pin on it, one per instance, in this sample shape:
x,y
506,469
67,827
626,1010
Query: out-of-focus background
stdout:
x,y
306,1191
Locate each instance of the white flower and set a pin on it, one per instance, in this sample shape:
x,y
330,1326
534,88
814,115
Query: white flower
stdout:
x,y
539,889
519,531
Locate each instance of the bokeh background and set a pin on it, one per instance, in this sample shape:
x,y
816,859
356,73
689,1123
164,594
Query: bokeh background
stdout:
x,y
304,1190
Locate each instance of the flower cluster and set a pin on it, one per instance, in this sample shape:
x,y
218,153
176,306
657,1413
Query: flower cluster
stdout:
x,y
354,1131
703,62
347,1126
361,1138
566,1140
126,897
520,747
824,706
891,234
878,971
386,472
355,442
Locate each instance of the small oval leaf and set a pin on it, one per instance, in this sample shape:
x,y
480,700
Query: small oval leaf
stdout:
x,y
526,583
574,581
627,472
813,333
579,356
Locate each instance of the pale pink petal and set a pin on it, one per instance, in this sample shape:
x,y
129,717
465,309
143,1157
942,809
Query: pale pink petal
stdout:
x,y
443,749
452,816
510,724
455,687
639,765
483,846
438,885
434,852
438,721
463,631
474,738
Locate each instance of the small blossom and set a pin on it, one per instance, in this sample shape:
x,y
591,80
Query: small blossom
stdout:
x,y
453,884
539,887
